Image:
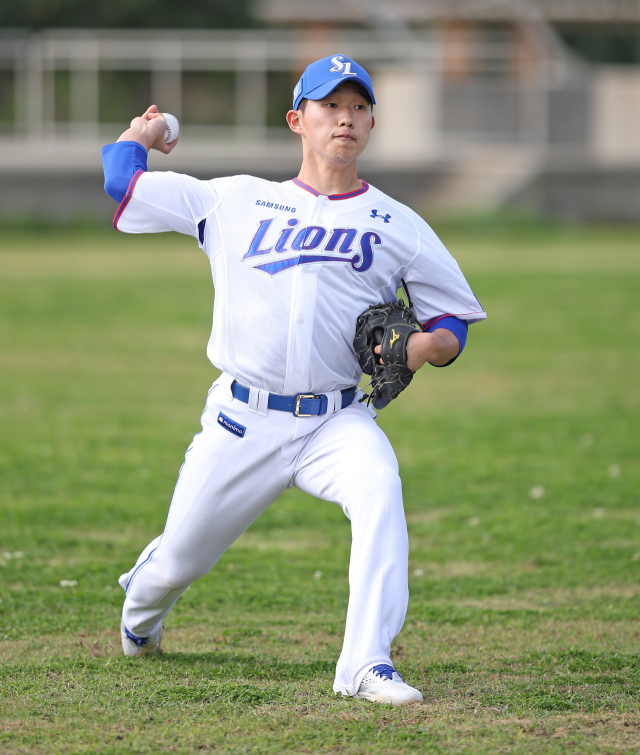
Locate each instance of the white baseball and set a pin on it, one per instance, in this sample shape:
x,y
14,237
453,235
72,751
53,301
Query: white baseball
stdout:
x,y
173,128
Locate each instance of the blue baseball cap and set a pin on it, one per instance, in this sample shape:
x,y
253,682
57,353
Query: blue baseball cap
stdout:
x,y
322,77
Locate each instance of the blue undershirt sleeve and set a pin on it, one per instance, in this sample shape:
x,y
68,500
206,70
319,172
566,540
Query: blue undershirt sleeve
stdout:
x,y
121,161
458,327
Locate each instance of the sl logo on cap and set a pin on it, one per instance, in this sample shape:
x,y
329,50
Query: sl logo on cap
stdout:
x,y
338,65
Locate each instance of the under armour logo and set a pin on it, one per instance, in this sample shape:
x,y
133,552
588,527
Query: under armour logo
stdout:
x,y
338,65
374,214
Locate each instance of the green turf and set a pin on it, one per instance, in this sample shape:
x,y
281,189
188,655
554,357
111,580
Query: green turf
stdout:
x,y
521,479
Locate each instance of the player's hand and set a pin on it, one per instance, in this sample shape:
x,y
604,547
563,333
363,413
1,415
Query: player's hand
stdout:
x,y
148,130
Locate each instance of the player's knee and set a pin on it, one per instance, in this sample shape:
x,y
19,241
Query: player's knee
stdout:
x,y
384,486
386,476
176,577
171,581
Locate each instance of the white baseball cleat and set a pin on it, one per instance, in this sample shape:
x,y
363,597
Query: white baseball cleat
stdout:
x,y
383,684
132,645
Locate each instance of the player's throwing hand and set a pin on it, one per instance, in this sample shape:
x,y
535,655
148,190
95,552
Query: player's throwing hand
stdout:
x,y
148,130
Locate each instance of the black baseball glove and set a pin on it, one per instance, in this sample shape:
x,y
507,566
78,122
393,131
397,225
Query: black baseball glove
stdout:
x,y
388,326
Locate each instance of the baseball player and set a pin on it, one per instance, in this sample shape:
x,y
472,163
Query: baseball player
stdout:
x,y
294,264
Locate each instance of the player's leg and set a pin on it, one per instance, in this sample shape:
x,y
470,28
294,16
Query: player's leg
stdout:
x,y
349,461
226,482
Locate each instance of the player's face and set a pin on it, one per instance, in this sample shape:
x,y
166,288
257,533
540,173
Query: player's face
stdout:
x,y
337,128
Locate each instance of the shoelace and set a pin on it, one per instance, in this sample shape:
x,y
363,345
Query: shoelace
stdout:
x,y
385,671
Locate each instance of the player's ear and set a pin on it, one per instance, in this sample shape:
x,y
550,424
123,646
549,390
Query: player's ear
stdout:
x,y
293,121
373,121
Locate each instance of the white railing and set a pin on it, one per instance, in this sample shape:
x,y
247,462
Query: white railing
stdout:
x,y
457,86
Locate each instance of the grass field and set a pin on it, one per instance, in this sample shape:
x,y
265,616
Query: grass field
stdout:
x,y
521,477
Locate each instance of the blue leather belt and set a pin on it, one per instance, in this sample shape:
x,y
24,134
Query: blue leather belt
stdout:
x,y
302,405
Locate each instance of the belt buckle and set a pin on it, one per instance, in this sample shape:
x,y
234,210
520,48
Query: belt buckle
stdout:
x,y
299,398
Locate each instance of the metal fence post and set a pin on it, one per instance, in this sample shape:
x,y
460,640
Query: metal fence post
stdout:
x,y
251,91
166,79
84,88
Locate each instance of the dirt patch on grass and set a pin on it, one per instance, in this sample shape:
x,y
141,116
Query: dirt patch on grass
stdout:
x,y
287,637
126,537
470,643
299,638
298,542
448,569
115,264
100,643
546,600
430,516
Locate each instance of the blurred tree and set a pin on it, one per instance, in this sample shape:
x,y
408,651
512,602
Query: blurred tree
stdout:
x,y
122,14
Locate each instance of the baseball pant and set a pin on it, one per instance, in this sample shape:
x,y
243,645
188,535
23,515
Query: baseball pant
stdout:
x,y
227,481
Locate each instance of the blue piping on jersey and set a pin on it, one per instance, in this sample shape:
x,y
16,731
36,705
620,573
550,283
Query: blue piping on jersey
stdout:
x,y
458,327
137,569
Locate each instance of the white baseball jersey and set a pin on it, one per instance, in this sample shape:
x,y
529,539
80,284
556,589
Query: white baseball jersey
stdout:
x,y
293,269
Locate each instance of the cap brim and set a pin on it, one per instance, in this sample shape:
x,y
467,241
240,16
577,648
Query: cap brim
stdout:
x,y
325,89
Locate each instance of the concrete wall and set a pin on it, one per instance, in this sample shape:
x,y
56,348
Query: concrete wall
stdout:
x,y
69,195
408,117
583,194
615,117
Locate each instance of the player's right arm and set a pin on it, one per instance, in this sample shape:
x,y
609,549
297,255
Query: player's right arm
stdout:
x,y
152,202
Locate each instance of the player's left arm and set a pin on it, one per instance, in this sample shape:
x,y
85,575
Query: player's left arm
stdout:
x,y
440,343
443,303
439,348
